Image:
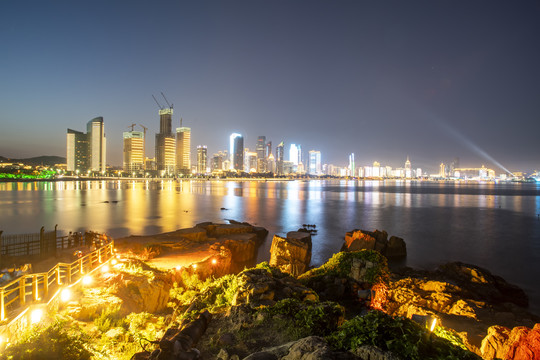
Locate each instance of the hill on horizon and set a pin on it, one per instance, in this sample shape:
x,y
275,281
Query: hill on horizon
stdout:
x,y
46,160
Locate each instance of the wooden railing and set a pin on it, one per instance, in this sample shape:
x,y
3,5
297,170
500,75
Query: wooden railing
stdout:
x,y
37,287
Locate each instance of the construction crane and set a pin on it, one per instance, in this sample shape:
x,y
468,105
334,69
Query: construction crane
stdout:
x,y
170,105
158,104
132,126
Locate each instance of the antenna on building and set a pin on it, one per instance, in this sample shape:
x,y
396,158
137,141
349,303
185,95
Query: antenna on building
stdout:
x,y
158,104
132,126
170,106
180,121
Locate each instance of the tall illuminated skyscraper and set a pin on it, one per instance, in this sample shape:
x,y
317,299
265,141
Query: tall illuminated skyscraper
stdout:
x,y
202,159
314,162
165,143
97,144
87,152
261,154
352,165
236,151
133,151
183,150
280,158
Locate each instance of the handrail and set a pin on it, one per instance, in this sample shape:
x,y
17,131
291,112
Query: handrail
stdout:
x,y
41,286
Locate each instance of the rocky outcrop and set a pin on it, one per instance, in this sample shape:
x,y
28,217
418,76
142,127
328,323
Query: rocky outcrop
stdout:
x,y
482,284
463,297
267,286
347,275
375,240
291,254
518,343
317,348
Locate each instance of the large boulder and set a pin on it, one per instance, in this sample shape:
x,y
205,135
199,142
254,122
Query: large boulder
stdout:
x,y
347,274
483,285
291,254
375,240
266,286
519,343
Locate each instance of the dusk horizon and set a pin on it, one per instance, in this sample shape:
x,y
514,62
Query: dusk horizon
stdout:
x,y
385,81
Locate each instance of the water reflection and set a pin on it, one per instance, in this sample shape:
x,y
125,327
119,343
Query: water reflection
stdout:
x,y
492,225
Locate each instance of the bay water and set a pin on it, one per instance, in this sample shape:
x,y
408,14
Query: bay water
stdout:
x,y
495,226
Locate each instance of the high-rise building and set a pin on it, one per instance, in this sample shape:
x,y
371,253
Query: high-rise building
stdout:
x,y
87,152
165,143
280,158
183,150
202,159
442,170
261,154
218,161
408,169
268,149
97,144
295,154
77,151
314,162
133,151
271,164
236,152
352,165
250,161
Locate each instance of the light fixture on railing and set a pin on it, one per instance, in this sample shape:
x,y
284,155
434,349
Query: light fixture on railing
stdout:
x,y
87,280
36,316
65,295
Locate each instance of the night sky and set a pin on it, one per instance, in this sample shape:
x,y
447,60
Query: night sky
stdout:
x,y
383,79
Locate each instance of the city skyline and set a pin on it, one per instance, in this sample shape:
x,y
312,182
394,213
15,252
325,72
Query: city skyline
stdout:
x,y
430,80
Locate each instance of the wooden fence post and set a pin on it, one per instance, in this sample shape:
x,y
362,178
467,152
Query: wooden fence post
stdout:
x,y
42,249
35,288
1,249
22,290
2,305
46,285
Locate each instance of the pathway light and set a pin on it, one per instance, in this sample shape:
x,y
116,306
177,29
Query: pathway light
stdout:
x,y
65,295
87,280
36,316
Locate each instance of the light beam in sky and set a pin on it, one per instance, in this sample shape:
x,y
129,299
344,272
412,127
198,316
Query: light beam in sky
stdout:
x,y
464,140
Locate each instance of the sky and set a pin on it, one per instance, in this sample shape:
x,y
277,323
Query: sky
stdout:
x,y
432,80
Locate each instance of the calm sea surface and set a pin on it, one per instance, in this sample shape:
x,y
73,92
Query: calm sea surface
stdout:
x,y
495,226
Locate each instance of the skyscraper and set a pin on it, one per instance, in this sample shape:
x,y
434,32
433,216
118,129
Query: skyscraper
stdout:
x,y
236,151
202,159
261,154
183,150
87,152
97,144
352,165
314,162
77,151
295,154
133,151
408,169
165,143
280,152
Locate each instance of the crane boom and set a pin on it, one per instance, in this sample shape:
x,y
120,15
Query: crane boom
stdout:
x,y
170,106
132,126
158,104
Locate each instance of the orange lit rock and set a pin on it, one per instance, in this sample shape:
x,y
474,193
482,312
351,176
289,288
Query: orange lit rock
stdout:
x,y
375,240
291,254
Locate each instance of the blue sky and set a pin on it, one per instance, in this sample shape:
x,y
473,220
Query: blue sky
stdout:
x,y
382,79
